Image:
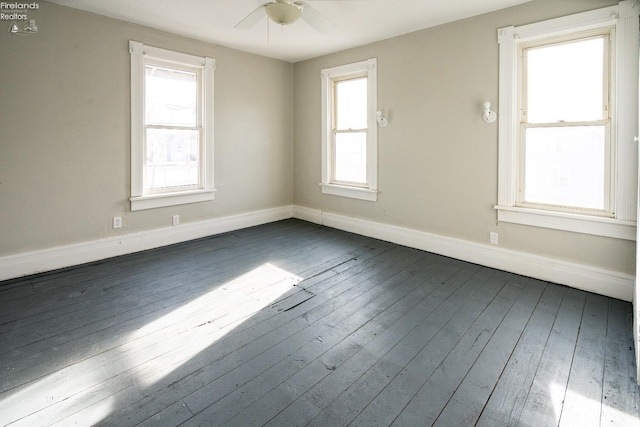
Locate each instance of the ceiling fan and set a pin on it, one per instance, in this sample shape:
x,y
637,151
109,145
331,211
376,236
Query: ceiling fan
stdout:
x,y
285,12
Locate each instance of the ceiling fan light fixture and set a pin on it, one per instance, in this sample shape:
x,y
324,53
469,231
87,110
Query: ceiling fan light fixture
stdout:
x,y
283,13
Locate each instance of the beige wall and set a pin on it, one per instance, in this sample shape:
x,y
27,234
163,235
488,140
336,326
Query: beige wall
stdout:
x,y
64,134
437,158
65,131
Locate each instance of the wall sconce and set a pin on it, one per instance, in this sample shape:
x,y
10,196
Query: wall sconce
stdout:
x,y
382,121
28,29
488,116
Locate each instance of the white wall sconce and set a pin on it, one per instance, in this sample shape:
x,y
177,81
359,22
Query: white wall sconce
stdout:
x,y
382,121
488,116
32,28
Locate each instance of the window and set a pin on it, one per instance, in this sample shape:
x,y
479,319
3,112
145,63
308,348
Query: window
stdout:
x,y
171,128
565,125
349,136
568,114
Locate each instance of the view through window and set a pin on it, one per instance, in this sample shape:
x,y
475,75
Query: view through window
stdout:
x,y
565,128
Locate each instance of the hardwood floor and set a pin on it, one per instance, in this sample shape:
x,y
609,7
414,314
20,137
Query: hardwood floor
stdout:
x,y
292,324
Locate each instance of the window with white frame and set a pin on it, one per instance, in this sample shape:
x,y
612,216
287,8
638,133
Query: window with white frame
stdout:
x,y
349,134
565,132
568,114
171,127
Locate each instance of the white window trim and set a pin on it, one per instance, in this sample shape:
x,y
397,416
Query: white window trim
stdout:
x,y
624,126
370,191
139,200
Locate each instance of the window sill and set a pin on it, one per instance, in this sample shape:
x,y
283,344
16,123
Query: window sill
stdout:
x,y
351,192
171,199
607,227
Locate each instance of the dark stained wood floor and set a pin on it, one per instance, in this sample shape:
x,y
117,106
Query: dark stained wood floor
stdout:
x,y
292,324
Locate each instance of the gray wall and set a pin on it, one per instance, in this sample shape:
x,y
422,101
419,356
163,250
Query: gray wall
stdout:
x,y
65,131
437,158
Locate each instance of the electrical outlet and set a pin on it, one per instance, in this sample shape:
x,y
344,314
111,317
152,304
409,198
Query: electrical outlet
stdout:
x,y
493,237
176,220
117,222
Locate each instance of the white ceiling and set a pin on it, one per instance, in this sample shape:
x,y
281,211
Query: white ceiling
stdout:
x,y
357,22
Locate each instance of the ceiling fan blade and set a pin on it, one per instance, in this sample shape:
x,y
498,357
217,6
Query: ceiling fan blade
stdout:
x,y
252,19
315,18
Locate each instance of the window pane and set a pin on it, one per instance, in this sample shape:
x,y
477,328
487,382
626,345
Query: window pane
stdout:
x,y
566,166
351,157
565,82
173,158
170,96
351,104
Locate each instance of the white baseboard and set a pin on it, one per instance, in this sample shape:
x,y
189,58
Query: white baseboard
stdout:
x,y
307,214
580,276
605,282
23,264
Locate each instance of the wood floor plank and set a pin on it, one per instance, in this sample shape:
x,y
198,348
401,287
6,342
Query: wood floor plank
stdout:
x,y
508,396
409,354
582,403
621,394
544,400
444,377
470,397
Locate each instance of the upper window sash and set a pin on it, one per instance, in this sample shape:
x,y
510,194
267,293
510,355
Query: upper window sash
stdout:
x,y
198,96
624,123
606,35
341,120
141,55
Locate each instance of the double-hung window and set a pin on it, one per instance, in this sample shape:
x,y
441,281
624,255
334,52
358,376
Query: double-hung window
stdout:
x,y
568,113
565,126
349,135
171,127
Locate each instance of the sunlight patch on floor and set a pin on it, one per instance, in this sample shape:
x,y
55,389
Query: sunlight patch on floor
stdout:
x,y
38,403
89,417
170,341
577,409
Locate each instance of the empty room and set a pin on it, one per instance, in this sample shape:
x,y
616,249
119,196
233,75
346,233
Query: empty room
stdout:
x,y
320,212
